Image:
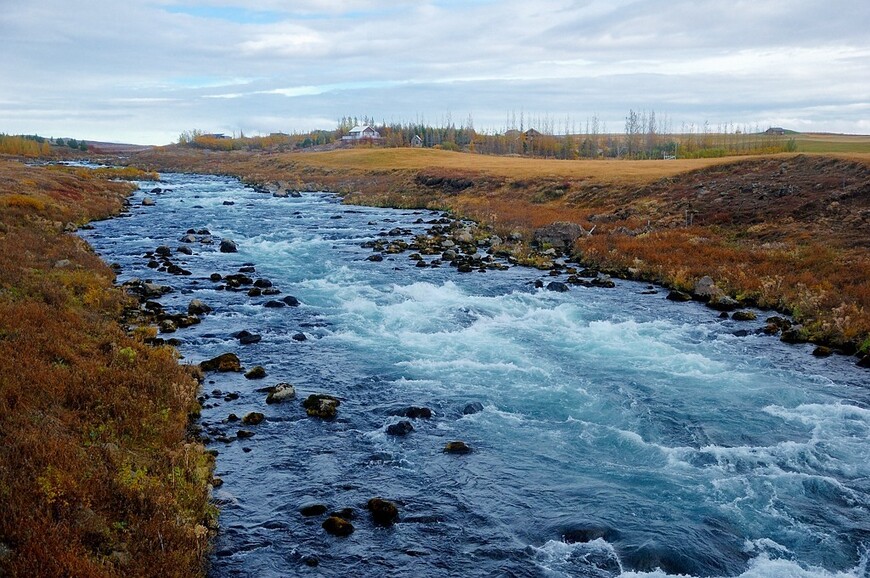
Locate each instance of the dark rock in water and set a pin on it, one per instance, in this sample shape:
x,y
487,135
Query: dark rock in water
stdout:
x,y
229,203
253,418
741,333
723,303
744,316
417,412
168,326
254,292
678,296
156,191
231,396
244,434
247,338
147,202
215,277
780,322
270,291
310,561
822,351
321,405
472,408
188,238
603,281
197,307
291,301
185,250
338,526
256,372
203,232
377,257
457,447
163,251
402,428
274,304
557,286
724,315
539,284
299,337
465,268
224,362
228,246
152,264
262,283
649,557
280,392
247,269
309,510
384,513
232,417
864,361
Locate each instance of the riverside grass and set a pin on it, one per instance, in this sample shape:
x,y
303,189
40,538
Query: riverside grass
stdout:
x,y
786,231
97,477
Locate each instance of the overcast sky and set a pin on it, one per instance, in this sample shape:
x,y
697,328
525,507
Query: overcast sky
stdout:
x,y
143,71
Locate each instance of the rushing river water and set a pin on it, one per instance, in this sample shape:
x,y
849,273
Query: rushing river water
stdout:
x,y
621,434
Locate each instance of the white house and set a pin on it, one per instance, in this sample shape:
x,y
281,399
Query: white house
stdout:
x,y
362,132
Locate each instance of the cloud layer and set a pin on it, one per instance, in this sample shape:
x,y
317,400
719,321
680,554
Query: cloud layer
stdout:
x,y
145,70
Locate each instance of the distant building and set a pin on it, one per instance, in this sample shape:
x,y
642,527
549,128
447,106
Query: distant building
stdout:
x,y
532,134
216,135
775,130
417,141
361,133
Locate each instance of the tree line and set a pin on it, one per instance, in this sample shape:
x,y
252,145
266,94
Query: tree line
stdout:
x,y
645,135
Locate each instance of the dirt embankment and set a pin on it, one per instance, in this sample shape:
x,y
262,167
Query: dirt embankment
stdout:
x,y
97,476
786,232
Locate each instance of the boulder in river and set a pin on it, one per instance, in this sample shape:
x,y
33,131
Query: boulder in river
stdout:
x,y
224,362
256,372
245,337
472,408
744,315
337,526
457,447
280,393
147,202
414,412
723,303
384,512
228,246
402,428
291,301
309,510
557,286
197,307
253,418
274,304
678,296
321,405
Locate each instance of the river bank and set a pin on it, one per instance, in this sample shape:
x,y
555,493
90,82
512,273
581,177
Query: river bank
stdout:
x,y
786,232
97,473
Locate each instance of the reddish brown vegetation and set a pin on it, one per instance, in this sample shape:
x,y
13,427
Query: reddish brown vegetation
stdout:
x,y
96,476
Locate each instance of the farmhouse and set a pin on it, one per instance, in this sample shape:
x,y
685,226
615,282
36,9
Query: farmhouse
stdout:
x,y
775,130
417,141
360,133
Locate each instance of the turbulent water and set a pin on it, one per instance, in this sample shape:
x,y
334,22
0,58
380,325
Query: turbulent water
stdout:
x,y
621,434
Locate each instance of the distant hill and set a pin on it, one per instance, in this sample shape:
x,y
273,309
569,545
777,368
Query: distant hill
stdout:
x,y
111,148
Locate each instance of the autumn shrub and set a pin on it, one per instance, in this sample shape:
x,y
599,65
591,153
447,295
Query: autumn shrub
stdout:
x,y
97,477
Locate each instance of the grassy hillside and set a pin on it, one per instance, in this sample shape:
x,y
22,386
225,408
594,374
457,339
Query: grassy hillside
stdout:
x,y
97,477
786,231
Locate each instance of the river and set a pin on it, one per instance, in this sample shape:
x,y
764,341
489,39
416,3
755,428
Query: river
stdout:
x,y
621,434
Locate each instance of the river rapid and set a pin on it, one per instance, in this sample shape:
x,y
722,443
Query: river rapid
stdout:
x,y
621,434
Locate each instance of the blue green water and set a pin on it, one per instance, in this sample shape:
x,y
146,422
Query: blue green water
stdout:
x,y
621,434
